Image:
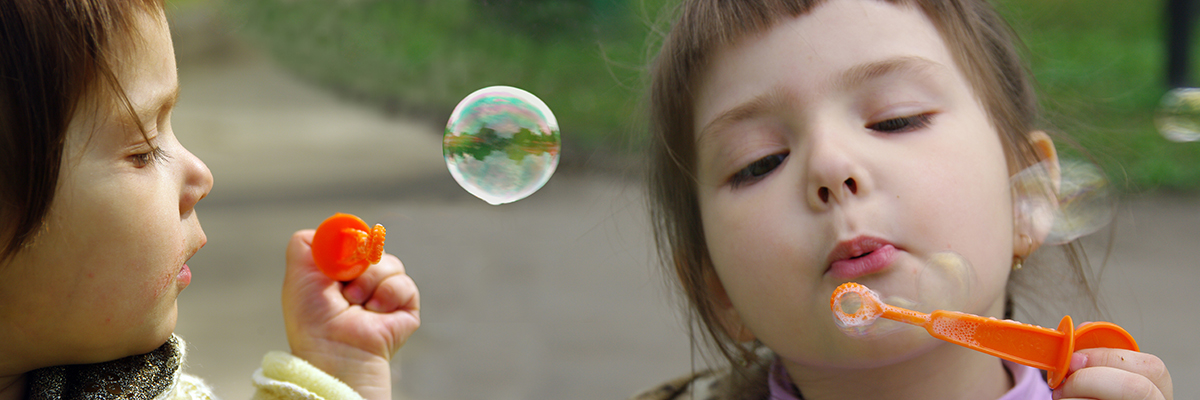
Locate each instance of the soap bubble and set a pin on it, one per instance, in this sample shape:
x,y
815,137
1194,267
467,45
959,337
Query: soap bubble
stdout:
x,y
501,144
1082,204
1178,116
945,283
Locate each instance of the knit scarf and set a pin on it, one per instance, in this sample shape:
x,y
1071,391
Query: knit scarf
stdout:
x,y
147,376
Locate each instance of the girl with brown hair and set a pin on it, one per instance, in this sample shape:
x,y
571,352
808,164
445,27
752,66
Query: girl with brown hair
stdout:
x,y
797,145
98,220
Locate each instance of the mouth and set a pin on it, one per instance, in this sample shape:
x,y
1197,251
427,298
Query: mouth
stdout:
x,y
860,256
184,277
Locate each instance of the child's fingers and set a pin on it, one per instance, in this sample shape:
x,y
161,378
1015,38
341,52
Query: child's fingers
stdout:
x,y
396,293
302,275
300,246
361,289
299,260
1116,374
1108,383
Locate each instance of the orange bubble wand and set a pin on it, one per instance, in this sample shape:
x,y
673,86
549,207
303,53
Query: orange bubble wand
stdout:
x,y
855,305
343,247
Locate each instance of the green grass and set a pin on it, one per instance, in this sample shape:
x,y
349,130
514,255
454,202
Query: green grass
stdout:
x,y
1099,64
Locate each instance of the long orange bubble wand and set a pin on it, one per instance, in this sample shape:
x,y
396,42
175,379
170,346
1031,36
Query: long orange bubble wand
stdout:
x,y
855,305
343,247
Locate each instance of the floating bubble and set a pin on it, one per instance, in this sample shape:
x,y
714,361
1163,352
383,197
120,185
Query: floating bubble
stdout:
x,y
1082,204
1085,203
1178,116
501,144
945,283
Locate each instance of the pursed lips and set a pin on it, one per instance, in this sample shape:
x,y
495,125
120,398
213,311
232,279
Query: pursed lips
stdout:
x,y
855,248
860,256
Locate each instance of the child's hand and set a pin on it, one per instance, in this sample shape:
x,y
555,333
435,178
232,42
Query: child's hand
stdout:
x,y
349,331
1112,374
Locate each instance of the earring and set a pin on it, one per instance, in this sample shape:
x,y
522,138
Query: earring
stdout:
x,y
1019,261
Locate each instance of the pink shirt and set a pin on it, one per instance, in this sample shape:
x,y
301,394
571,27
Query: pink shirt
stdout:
x,y
1028,383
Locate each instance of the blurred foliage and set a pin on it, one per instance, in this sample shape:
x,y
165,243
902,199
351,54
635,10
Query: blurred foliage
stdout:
x,y
1099,64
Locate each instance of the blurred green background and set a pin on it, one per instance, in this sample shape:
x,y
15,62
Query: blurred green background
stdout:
x,y
1099,64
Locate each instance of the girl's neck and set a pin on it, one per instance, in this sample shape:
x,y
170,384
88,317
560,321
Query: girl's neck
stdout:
x,y
12,387
946,372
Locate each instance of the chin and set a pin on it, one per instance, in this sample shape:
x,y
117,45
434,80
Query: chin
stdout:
x,y
875,349
156,333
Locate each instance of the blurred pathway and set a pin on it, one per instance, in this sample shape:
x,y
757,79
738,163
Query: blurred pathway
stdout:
x,y
550,297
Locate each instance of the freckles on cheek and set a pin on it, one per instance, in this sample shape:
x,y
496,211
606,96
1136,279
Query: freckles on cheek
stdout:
x,y
164,280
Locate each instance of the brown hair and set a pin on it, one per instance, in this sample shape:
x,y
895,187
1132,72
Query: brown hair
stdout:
x,y
53,55
984,47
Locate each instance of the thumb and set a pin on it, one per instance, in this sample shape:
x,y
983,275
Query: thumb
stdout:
x,y
301,269
305,288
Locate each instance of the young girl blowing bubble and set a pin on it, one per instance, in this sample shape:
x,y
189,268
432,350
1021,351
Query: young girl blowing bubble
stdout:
x,y
799,145
97,221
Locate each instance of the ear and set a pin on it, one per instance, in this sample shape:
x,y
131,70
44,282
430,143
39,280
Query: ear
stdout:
x,y
727,316
1027,237
1043,148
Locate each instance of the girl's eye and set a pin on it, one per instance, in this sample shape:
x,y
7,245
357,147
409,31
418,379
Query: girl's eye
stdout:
x,y
902,124
148,158
757,170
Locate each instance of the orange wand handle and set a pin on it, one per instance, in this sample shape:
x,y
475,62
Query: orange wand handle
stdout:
x,y
1025,344
343,247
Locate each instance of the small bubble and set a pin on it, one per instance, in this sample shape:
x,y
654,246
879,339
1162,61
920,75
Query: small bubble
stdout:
x,y
501,144
1178,116
945,282
1082,204
1085,203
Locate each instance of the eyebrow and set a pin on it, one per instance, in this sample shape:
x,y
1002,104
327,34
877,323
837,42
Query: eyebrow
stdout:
x,y
164,101
774,98
861,74
853,77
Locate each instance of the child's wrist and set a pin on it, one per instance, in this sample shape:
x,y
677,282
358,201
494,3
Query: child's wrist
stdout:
x,y
368,374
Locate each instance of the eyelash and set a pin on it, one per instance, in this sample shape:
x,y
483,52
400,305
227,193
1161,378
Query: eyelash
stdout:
x,y
757,170
149,158
902,124
760,168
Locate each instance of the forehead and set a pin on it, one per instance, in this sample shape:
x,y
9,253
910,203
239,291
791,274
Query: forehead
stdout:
x,y
144,60
804,55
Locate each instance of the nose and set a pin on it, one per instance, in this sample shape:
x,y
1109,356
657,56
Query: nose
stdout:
x,y
849,186
835,173
198,181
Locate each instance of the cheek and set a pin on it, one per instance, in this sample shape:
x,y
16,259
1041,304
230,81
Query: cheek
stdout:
x,y
968,211
130,245
761,249
752,229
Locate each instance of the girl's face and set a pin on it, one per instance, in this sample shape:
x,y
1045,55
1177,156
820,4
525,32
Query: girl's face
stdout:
x,y
101,279
846,145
